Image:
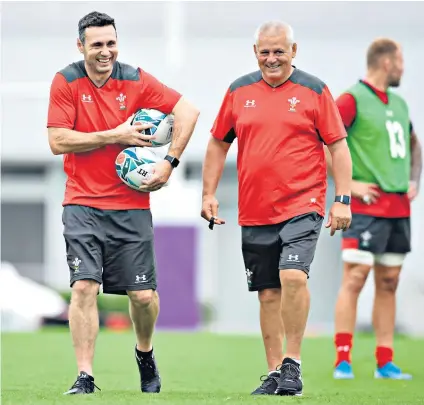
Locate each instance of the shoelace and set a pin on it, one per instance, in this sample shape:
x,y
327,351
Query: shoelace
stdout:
x,y
84,383
268,380
289,371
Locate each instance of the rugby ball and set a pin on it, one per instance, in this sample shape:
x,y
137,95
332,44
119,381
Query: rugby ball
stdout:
x,y
134,164
162,125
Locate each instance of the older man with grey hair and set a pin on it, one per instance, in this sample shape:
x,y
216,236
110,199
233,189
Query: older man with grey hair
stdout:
x,y
281,117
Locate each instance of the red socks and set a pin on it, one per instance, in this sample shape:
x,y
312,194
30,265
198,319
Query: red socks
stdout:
x,y
343,343
383,355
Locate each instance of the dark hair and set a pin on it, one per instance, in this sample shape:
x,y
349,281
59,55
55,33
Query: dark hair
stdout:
x,y
380,47
93,19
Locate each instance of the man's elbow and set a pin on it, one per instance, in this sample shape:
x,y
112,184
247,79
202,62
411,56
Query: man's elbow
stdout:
x,y
54,143
187,111
55,148
192,114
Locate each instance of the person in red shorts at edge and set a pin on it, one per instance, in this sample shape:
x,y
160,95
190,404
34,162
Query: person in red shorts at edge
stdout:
x,y
386,158
281,117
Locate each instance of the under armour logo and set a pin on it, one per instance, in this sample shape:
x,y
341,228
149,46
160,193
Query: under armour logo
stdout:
x,y
293,258
86,98
140,279
250,103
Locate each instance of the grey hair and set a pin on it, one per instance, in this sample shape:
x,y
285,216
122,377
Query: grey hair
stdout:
x,y
275,26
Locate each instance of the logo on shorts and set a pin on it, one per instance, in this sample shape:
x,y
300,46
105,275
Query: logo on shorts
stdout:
x,y
293,258
75,263
365,238
249,275
140,279
293,101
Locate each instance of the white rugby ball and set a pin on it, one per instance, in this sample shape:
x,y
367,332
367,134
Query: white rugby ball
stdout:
x,y
162,125
134,164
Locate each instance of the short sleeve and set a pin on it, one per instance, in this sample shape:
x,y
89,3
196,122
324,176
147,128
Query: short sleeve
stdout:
x,y
223,128
156,95
328,122
62,112
346,104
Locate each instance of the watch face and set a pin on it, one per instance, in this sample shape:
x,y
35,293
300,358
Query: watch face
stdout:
x,y
343,199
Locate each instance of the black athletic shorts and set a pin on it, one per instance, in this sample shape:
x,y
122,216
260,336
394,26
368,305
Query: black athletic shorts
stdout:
x,y
378,235
267,249
112,247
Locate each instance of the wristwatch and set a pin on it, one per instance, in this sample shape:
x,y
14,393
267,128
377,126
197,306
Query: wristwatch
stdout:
x,y
344,199
173,160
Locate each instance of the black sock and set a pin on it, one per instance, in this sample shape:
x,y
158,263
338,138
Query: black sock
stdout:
x,y
289,360
89,376
144,355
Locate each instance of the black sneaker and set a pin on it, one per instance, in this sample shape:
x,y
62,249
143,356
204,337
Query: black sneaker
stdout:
x,y
290,382
269,384
83,385
149,374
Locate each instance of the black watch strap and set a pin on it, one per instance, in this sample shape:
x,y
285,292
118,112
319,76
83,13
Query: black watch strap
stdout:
x,y
344,199
173,160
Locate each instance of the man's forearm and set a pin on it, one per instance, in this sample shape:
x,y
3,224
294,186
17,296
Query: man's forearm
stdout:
x,y
64,140
416,160
341,167
184,124
328,161
213,165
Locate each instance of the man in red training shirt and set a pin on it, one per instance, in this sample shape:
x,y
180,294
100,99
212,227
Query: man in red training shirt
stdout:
x,y
108,226
386,157
281,117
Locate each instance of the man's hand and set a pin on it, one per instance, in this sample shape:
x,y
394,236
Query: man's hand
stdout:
x,y
413,190
210,207
127,134
367,192
339,218
160,175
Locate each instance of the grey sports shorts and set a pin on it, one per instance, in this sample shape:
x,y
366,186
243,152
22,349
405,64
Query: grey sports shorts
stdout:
x,y
378,235
267,249
112,247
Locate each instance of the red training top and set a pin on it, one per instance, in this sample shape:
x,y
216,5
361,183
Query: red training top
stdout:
x,y
77,103
389,205
280,132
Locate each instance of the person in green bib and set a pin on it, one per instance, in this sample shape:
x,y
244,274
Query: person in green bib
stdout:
x,y
386,159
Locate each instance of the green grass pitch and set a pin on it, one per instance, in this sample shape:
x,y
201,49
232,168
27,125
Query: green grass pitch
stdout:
x,y
196,369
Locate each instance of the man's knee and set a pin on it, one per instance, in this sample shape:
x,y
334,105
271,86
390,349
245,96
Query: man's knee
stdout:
x,y
387,283
269,296
355,276
386,278
293,279
142,298
85,290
